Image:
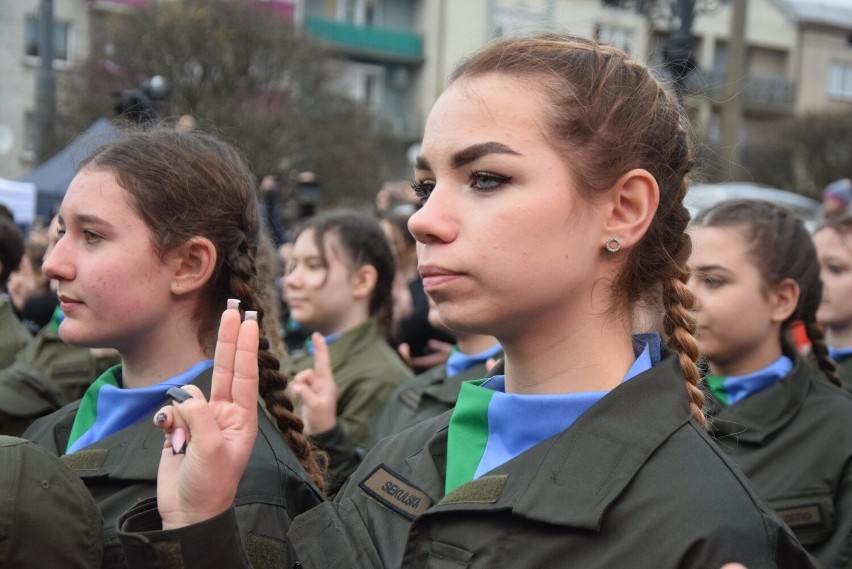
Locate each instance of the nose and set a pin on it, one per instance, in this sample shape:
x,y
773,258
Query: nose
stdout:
x,y
57,262
691,285
291,279
436,220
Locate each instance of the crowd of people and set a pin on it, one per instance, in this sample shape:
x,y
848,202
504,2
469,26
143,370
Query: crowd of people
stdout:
x,y
539,361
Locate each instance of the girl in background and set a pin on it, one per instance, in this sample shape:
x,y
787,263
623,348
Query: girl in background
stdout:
x,y
29,288
834,246
553,171
755,271
422,345
157,231
338,282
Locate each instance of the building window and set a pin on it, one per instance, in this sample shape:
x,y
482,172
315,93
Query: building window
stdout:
x,y
840,80
61,35
358,12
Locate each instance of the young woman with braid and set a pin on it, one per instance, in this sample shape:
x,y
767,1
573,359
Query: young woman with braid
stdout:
x,y
755,271
833,242
552,172
157,231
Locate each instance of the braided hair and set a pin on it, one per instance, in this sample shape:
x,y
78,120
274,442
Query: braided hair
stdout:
x,y
609,114
190,184
781,248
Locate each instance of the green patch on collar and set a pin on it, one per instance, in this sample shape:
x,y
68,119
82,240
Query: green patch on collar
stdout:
x,y
483,490
92,459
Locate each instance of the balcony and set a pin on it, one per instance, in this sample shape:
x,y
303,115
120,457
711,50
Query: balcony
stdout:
x,y
370,43
770,94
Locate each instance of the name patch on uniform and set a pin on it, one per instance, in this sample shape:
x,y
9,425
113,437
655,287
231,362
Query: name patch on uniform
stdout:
x,y
395,492
802,516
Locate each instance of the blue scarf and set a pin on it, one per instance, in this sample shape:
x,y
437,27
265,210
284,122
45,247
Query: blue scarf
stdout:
x,y
107,408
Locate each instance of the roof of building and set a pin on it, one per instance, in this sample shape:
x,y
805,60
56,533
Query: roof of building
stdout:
x,y
834,13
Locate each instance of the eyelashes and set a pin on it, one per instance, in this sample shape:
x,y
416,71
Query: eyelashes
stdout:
x,y
478,180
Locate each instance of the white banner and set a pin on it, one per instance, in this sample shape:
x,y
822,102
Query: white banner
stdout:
x,y
20,198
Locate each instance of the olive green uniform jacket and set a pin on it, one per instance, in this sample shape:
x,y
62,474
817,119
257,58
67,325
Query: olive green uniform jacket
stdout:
x,y
844,368
366,370
422,397
13,335
634,483
120,470
48,373
794,442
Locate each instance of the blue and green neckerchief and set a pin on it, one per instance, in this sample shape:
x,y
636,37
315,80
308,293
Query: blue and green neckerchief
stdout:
x,y
735,388
489,427
107,407
459,362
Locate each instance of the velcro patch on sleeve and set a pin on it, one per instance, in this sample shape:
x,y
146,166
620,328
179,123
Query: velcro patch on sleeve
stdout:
x,y
395,492
483,490
86,459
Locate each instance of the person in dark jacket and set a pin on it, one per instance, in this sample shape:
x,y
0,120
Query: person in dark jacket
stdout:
x,y
552,172
833,243
755,271
157,230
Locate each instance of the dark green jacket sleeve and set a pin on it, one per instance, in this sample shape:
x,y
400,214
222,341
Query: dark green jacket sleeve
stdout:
x,y
148,546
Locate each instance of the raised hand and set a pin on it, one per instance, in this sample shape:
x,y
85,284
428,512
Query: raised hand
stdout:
x,y
208,444
317,390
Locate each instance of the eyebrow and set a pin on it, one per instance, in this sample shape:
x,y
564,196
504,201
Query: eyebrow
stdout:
x,y
711,268
470,154
85,218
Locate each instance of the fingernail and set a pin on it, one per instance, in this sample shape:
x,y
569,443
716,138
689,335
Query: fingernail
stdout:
x,y
178,441
160,418
251,315
233,303
178,394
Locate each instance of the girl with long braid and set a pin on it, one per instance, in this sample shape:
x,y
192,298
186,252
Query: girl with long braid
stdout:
x,y
158,230
755,272
833,241
552,173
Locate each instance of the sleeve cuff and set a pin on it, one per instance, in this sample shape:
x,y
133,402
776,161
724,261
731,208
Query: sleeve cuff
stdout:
x,y
212,543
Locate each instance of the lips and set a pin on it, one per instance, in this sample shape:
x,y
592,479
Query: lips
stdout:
x,y
68,304
434,277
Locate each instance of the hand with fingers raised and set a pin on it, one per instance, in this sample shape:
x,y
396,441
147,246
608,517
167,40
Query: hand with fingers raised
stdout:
x,y
208,444
317,390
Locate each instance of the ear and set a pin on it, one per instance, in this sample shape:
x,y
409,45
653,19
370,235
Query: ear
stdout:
x,y
635,198
364,281
783,300
193,264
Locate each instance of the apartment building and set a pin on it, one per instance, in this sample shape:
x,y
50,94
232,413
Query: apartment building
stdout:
x,y
395,55
19,67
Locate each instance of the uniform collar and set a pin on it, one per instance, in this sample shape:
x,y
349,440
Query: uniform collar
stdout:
x,y
759,417
539,482
130,454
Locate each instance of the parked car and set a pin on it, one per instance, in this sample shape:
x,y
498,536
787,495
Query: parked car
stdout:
x,y
700,196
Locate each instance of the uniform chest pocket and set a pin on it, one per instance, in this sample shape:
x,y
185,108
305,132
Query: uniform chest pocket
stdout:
x,y
445,556
810,516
